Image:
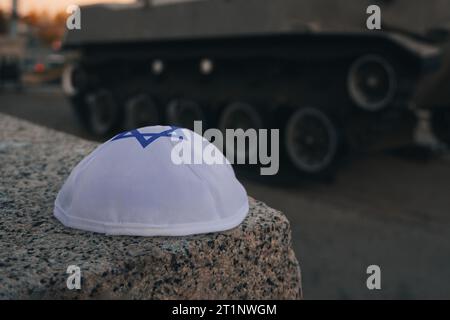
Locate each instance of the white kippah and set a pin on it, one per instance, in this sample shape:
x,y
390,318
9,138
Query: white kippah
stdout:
x,y
130,186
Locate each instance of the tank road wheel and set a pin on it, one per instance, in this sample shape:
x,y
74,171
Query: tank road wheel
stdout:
x,y
311,140
182,113
102,112
440,124
240,115
372,83
73,80
141,111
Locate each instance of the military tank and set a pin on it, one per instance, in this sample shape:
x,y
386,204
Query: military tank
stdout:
x,y
311,68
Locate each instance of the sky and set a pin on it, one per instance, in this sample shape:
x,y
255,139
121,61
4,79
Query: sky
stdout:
x,y
51,6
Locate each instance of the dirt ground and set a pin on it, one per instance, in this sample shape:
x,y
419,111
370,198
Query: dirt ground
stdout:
x,y
383,208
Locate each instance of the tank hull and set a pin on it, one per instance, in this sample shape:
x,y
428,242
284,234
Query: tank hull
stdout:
x,y
224,18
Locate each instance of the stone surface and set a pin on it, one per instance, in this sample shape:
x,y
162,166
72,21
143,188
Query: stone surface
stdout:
x,y
252,261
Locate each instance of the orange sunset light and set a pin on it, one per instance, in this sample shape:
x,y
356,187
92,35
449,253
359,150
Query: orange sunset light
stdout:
x,y
51,6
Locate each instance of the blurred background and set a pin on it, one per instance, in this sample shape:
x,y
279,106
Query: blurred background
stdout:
x,y
363,115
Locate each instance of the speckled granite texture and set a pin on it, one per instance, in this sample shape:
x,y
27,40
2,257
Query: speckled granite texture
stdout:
x,y
252,261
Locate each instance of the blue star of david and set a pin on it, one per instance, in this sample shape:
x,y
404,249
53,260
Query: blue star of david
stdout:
x,y
146,138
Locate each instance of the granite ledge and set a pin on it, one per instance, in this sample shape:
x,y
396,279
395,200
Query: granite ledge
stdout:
x,y
253,261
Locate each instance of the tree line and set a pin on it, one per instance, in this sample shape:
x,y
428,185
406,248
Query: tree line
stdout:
x,y
47,28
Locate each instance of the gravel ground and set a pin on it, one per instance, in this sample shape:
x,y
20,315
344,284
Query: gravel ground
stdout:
x,y
384,209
